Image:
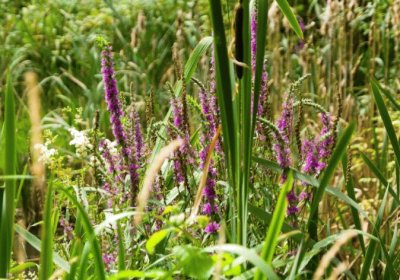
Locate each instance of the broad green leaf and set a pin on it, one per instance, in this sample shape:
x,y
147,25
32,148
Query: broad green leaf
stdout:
x,y
193,262
155,239
249,255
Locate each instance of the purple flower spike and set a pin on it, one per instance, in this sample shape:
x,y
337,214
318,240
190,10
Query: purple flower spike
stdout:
x,y
292,210
109,260
111,96
212,227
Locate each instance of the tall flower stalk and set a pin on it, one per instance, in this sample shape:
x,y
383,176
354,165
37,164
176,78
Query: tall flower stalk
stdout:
x,y
116,113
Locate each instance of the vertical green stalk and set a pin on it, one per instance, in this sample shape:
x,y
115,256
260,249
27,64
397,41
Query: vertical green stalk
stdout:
x,y
245,133
8,205
224,81
46,256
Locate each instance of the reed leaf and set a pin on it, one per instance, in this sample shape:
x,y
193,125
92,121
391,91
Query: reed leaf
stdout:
x,y
287,11
8,207
386,119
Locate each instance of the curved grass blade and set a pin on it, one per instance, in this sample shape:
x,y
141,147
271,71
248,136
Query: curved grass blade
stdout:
x,y
275,227
90,235
369,256
8,207
380,177
389,96
195,56
287,11
352,195
327,175
386,119
37,244
313,182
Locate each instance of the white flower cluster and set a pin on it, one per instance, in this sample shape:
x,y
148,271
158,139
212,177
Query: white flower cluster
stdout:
x,y
46,154
80,141
112,147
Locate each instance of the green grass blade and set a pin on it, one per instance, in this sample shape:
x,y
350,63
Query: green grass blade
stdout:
x,y
386,119
327,175
313,182
352,195
228,112
90,235
287,11
46,256
380,177
297,261
37,244
224,80
266,218
369,256
121,247
389,96
195,56
8,207
275,227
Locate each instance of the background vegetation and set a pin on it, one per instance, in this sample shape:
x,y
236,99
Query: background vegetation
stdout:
x,y
345,60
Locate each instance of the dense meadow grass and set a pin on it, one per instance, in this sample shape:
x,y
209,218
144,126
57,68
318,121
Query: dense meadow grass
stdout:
x,y
199,139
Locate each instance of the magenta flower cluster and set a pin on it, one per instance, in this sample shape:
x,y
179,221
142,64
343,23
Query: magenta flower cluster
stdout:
x,y
131,144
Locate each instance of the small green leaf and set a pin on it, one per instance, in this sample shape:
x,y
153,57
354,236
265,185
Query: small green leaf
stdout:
x,y
155,239
194,262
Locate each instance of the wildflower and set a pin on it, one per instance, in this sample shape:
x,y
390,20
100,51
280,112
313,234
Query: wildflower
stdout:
x,y
138,136
212,227
80,141
325,143
108,151
310,154
292,210
109,260
111,96
208,208
68,229
46,154
284,124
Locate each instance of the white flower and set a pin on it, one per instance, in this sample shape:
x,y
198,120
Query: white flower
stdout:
x,y
111,146
80,141
46,153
